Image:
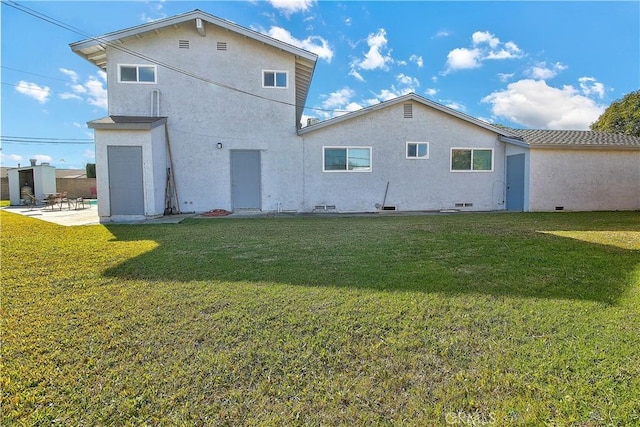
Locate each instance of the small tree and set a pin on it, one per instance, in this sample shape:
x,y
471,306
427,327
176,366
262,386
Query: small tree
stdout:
x,y
622,116
91,170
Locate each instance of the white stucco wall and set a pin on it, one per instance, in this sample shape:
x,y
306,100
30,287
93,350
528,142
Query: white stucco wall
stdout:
x,y
584,179
202,114
154,163
425,184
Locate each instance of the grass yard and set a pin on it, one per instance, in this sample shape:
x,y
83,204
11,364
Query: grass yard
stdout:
x,y
463,319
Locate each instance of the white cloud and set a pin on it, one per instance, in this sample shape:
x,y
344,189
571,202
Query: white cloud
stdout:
x,y
534,104
96,92
378,55
32,90
78,88
69,95
93,89
411,82
70,73
314,44
431,92
417,60
484,46
388,94
338,99
442,33
348,21
89,154
453,105
504,77
8,158
43,158
289,7
541,71
157,11
462,58
591,86
356,75
480,37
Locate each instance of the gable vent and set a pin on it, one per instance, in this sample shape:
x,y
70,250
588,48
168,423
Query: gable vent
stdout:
x,y
183,44
221,46
408,111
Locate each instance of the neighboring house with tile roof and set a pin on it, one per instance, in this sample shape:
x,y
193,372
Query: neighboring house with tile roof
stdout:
x,y
205,114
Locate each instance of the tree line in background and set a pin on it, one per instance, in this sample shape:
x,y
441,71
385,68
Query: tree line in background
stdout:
x,y
622,116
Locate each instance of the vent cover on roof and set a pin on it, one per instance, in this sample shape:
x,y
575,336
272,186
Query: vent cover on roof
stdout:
x,y
408,111
183,44
221,46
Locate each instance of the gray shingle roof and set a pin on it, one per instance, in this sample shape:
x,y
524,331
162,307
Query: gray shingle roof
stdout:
x,y
581,138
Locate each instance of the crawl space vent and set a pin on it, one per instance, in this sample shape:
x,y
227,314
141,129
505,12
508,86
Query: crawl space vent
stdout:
x,y
408,111
221,46
183,44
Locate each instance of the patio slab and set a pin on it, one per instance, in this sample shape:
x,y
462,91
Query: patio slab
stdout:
x,y
66,217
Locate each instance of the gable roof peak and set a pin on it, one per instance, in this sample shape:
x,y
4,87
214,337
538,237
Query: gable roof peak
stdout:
x,y
411,96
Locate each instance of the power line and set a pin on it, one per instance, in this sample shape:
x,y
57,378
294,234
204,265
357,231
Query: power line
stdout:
x,y
37,140
68,27
33,74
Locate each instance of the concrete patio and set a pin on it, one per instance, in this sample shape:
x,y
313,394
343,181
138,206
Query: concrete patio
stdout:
x,y
83,216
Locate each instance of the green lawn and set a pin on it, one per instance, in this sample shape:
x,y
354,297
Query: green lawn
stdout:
x,y
465,319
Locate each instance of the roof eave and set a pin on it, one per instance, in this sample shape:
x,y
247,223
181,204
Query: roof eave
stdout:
x,y
101,42
586,147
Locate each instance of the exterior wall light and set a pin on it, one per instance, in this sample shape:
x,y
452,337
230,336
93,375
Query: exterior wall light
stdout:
x,y
219,145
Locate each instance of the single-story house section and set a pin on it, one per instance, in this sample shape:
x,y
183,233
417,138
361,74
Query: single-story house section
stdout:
x,y
574,170
205,114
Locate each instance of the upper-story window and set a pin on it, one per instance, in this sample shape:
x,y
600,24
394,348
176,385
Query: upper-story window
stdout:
x,y
417,150
271,78
137,73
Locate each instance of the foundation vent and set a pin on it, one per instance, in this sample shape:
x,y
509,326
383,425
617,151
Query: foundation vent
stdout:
x,y
221,45
325,207
183,44
559,208
464,205
389,208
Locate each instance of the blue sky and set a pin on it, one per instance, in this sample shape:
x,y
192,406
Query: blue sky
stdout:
x,y
554,65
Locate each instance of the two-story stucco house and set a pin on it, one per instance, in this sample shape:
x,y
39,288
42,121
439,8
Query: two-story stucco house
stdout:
x,y
206,114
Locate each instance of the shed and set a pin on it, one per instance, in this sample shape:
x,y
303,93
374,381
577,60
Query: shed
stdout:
x,y
37,180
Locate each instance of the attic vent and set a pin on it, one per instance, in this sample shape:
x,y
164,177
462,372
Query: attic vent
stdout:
x,y
408,111
221,46
183,44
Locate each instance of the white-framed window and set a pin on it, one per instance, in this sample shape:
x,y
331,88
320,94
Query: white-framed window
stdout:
x,y
136,73
275,78
346,159
417,150
472,160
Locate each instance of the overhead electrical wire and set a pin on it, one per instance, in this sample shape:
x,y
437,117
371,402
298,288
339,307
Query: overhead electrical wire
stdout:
x,y
174,68
37,140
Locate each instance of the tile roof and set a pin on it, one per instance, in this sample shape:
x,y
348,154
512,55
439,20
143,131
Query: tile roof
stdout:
x,y
577,138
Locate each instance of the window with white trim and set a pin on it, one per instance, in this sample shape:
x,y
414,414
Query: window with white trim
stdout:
x,y
137,73
417,150
471,160
346,159
274,78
